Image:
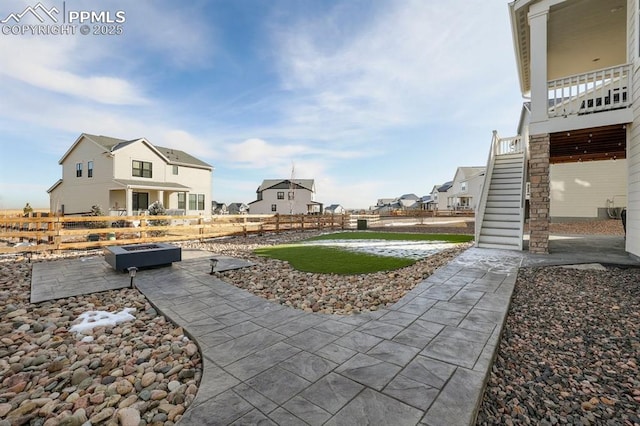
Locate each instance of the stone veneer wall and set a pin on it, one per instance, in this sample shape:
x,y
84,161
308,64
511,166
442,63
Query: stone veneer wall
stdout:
x,y
539,197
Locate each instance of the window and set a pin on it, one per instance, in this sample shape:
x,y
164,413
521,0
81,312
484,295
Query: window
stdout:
x,y
78,169
280,195
90,169
175,170
140,200
274,208
463,186
193,201
142,169
291,195
182,200
200,201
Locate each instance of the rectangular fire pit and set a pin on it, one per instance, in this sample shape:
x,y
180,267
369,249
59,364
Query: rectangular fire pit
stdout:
x,y
142,255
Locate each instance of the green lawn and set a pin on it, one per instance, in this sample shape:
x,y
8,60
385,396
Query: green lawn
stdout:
x,y
333,260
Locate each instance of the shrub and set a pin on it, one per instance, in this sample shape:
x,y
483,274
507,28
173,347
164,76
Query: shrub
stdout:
x,y
157,209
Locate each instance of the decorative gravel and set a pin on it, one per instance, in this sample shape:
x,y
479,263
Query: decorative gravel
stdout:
x,y
139,372
569,352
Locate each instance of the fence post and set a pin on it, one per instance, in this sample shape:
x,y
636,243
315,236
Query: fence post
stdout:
x,y
277,223
57,238
201,228
244,226
302,222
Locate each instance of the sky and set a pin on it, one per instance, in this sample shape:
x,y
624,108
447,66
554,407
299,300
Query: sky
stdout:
x,y
372,99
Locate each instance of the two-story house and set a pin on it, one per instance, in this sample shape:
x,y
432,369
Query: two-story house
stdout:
x,y
286,196
578,148
465,188
124,177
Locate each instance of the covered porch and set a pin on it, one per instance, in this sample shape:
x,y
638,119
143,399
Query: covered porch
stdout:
x,y
130,197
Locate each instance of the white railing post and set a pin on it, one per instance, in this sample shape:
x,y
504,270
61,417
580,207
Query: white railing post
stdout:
x,y
482,203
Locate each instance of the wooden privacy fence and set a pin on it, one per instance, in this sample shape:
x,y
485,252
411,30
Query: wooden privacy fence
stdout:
x,y
71,232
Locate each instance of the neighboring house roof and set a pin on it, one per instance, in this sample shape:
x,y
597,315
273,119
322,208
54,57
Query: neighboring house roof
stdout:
x,y
409,197
54,186
332,207
445,186
301,183
110,145
237,205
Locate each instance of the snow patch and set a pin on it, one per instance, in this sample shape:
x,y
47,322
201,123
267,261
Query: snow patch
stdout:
x,y
92,319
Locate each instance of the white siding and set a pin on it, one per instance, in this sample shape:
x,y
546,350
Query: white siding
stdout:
x,y
270,196
579,189
198,180
474,189
633,135
78,194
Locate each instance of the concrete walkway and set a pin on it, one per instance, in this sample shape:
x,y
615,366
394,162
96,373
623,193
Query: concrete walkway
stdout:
x,y
422,361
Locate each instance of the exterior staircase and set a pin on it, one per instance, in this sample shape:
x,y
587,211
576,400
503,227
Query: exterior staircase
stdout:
x,y
500,215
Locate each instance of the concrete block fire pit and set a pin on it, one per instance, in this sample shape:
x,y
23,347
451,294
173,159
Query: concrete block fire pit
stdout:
x,y
142,255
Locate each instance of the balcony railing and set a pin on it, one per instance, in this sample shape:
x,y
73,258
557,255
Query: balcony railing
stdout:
x,y
602,90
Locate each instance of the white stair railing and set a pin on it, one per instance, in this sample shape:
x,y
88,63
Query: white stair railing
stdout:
x,y
482,203
501,146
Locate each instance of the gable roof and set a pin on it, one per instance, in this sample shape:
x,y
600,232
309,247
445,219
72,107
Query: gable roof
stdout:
x,y
109,144
409,197
301,183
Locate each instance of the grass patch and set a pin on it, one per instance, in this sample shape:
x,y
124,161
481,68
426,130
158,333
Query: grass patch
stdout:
x,y
394,236
331,260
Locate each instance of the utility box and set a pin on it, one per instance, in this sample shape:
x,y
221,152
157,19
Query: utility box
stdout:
x,y
362,224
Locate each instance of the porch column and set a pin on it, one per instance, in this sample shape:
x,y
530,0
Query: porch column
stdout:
x,y
161,197
539,197
129,202
538,16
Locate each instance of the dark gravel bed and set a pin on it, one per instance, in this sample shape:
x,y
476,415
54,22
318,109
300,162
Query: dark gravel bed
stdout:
x,y
569,352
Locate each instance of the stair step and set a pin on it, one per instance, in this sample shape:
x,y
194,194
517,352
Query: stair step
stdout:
x,y
513,211
507,173
503,232
491,239
501,224
499,186
503,176
503,198
501,192
502,217
503,204
500,246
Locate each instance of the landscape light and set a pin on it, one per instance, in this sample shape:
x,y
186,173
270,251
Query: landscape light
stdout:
x,y
213,262
132,273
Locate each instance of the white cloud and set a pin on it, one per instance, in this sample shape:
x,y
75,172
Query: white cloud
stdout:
x,y
409,62
50,64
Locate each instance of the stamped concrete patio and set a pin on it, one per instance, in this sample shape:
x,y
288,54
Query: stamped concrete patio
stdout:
x,y
423,360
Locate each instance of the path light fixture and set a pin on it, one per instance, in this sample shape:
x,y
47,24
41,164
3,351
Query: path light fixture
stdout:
x,y
214,263
29,255
132,273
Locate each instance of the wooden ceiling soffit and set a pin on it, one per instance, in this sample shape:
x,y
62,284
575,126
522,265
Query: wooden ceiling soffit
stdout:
x,y
594,144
